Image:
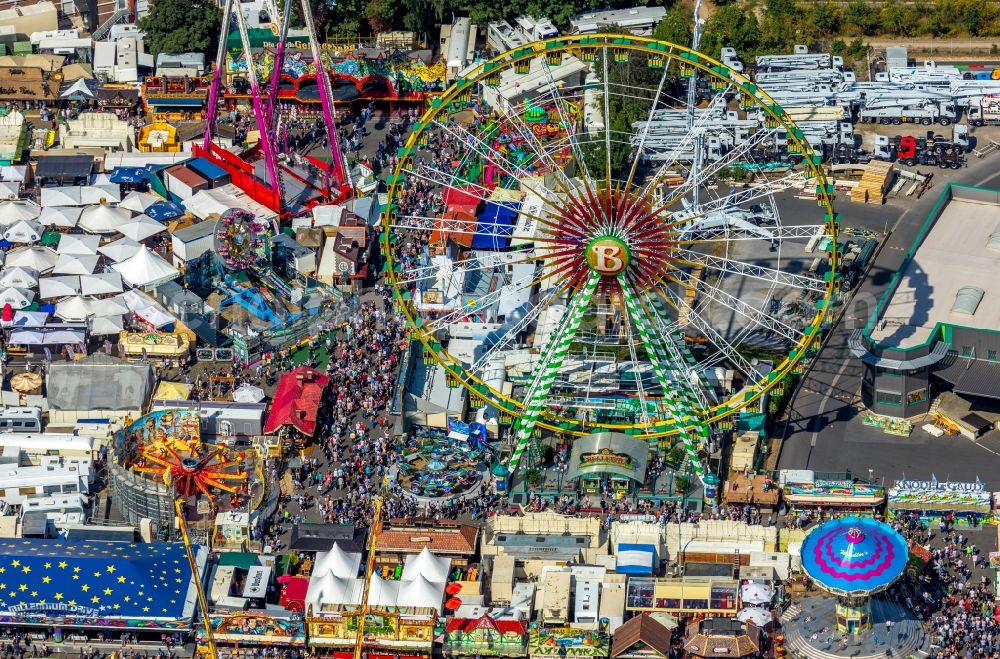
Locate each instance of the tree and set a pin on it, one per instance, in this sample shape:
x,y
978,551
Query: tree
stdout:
x,y
864,16
675,26
381,15
182,26
826,18
731,26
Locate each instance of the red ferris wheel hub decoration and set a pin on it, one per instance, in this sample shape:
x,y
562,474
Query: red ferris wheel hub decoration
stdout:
x,y
614,233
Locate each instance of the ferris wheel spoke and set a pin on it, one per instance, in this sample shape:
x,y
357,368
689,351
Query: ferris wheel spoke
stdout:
x,y
683,308
548,367
752,270
526,134
704,174
728,233
733,303
687,141
627,322
645,131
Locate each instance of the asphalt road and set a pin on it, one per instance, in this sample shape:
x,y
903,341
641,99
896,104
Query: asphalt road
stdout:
x,y
824,431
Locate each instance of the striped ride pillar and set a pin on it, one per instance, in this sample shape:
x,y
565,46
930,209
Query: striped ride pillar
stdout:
x,y
548,368
681,400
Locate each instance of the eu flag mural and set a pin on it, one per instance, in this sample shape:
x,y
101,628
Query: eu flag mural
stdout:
x,y
94,579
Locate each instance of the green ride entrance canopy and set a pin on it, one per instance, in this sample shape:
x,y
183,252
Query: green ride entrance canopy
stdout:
x,y
608,453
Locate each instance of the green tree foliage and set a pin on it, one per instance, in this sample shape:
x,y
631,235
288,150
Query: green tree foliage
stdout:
x,y
182,26
864,16
734,27
675,26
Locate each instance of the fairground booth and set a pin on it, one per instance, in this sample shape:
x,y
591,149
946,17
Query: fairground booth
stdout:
x,y
85,591
934,500
608,460
804,490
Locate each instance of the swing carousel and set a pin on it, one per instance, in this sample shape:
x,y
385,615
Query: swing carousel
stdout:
x,y
438,466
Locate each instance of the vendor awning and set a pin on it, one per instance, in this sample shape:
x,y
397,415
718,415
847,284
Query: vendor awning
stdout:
x,y
129,174
178,102
635,559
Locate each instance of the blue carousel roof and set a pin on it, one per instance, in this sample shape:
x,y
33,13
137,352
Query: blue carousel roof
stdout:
x,y
854,556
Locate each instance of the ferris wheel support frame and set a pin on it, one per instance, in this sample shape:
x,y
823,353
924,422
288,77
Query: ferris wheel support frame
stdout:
x,y
663,53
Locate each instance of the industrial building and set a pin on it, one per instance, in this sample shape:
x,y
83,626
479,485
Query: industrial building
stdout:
x,y
935,325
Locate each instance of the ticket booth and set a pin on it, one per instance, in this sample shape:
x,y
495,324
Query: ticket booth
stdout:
x,y
608,462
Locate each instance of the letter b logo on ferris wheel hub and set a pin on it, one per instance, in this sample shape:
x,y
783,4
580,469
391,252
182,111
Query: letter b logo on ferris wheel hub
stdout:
x,y
607,255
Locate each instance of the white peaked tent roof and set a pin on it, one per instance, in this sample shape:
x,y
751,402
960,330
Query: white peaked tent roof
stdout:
x,y
141,227
20,277
144,268
139,201
53,287
75,308
338,562
756,593
64,195
15,211
248,393
104,325
120,249
78,243
382,593
101,283
756,615
420,593
426,564
76,264
98,194
9,189
60,216
17,298
78,87
103,218
109,306
23,231
41,259
329,589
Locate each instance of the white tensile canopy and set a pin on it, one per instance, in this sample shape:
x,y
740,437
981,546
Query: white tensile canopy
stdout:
x,y
64,217
23,231
145,268
64,195
337,561
40,259
420,593
428,565
18,298
139,201
74,309
15,211
101,194
78,243
19,277
103,218
756,615
120,249
141,227
51,288
756,593
101,283
249,393
104,325
76,264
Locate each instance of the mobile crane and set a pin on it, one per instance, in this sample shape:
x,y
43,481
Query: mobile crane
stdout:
x,y
202,602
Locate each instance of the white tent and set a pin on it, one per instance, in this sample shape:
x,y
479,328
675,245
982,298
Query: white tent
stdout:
x,y
103,218
23,231
16,173
103,325
428,565
338,562
755,615
76,264
15,211
249,393
79,87
756,593
141,227
420,593
65,195
139,201
31,318
101,194
110,306
9,189
120,249
78,243
60,216
17,298
145,268
41,259
101,283
50,288
19,277
74,309
206,202
328,589
382,593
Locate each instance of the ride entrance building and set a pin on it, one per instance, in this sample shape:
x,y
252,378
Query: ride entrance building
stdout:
x,y
939,315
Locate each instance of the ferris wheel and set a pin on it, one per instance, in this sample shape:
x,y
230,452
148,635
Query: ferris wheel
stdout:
x,y
589,266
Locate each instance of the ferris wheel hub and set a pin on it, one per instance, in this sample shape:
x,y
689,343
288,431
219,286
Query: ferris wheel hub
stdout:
x,y
608,255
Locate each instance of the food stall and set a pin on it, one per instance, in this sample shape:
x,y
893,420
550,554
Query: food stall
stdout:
x,y
802,491
934,500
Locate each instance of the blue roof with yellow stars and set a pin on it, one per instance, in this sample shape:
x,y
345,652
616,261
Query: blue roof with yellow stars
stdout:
x,y
94,578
